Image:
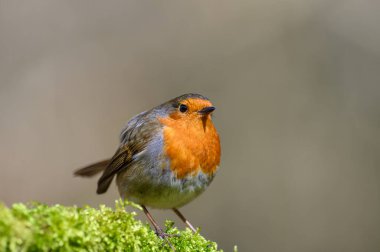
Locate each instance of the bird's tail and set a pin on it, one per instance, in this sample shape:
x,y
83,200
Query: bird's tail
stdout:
x,y
93,169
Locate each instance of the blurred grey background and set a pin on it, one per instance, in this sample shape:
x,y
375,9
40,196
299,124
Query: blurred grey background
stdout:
x,y
296,85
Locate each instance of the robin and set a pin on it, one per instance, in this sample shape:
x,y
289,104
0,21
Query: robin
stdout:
x,y
167,156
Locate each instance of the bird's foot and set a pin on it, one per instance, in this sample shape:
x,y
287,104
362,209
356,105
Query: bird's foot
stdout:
x,y
164,236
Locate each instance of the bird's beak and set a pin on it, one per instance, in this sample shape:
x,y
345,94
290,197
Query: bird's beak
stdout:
x,y
206,110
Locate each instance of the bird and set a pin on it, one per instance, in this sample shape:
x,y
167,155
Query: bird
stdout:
x,y
167,156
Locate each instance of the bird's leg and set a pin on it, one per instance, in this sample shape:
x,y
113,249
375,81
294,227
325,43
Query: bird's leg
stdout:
x,y
178,213
159,232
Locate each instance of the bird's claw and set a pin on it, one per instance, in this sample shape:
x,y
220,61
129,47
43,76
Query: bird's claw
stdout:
x,y
164,236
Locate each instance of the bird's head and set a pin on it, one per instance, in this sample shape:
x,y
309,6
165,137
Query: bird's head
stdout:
x,y
190,108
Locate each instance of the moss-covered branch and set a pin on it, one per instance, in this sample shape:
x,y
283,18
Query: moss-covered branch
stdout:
x,y
38,227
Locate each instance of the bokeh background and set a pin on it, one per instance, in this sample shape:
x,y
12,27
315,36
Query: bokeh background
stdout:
x,y
296,84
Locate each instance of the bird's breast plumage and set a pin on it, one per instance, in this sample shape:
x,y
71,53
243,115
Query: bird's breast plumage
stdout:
x,y
151,181
191,146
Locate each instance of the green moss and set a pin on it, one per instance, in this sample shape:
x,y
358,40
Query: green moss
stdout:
x,y
38,227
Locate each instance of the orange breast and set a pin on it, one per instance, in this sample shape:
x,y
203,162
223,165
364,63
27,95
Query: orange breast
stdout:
x,y
192,145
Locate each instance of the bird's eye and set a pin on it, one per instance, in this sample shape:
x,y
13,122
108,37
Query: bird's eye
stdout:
x,y
183,108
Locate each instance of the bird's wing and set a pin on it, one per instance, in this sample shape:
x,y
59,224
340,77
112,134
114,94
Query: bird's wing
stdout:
x,y
134,139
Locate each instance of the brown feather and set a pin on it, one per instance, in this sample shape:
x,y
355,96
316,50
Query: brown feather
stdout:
x,y
121,158
92,169
136,139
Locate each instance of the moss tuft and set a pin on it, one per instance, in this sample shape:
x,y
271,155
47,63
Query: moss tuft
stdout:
x,y
39,227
